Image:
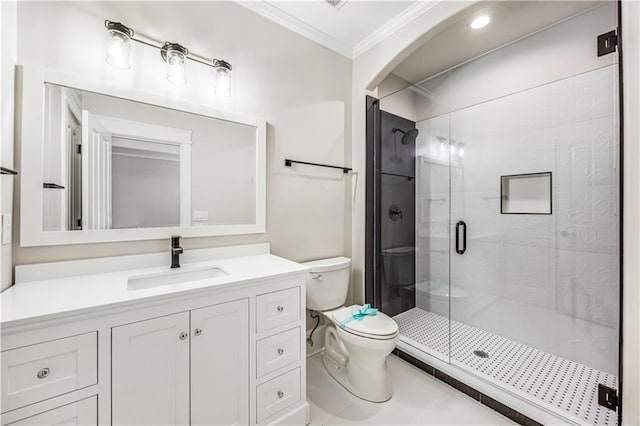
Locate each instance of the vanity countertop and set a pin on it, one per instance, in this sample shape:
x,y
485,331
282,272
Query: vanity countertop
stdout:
x,y
45,299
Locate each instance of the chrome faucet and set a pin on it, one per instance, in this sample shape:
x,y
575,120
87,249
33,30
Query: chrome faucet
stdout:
x,y
176,251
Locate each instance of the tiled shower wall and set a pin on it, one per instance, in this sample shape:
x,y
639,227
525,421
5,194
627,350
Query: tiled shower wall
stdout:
x,y
530,277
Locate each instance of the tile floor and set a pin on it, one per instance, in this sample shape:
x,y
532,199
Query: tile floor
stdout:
x,y
554,381
418,399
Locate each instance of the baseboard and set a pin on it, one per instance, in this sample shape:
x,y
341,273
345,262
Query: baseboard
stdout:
x,y
299,416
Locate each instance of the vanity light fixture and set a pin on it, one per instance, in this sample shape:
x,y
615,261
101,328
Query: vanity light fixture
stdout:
x,y
223,77
480,22
174,54
119,45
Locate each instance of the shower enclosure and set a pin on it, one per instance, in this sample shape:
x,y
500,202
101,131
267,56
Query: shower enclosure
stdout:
x,y
493,219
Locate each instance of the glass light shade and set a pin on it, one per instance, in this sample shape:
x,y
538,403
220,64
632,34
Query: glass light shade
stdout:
x,y
118,49
223,82
461,150
176,67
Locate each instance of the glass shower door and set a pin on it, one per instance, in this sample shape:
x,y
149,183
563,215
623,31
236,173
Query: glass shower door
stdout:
x,y
535,266
424,324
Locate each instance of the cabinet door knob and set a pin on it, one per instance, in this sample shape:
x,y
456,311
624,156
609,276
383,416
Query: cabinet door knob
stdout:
x,y
43,374
183,335
280,308
197,331
280,351
280,394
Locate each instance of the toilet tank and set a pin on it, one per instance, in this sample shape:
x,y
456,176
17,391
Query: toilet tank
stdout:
x,y
328,283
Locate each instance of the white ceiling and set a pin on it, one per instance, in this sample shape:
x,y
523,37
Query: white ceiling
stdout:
x,y
454,42
351,29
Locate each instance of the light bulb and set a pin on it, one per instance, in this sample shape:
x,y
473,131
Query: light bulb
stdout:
x,y
461,150
222,77
176,72
175,56
119,45
480,22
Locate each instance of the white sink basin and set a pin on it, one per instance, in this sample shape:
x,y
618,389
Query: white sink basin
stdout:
x,y
174,276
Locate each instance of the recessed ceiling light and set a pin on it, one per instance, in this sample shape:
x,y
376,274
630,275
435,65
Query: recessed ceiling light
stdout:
x,y
480,22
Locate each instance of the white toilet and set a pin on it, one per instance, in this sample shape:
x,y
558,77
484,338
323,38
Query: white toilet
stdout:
x,y
356,350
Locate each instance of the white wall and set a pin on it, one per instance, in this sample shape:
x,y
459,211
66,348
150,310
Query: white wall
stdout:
x,y
145,191
303,91
631,225
8,39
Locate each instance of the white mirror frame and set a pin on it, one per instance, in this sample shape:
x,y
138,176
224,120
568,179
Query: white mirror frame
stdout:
x,y
31,171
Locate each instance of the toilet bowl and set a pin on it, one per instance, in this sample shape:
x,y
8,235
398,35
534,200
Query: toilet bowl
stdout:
x,y
357,340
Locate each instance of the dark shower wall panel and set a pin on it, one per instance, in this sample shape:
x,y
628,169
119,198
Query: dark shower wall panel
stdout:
x,y
396,157
396,278
397,244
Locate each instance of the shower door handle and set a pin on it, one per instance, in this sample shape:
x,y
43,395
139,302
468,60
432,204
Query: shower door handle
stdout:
x,y
464,237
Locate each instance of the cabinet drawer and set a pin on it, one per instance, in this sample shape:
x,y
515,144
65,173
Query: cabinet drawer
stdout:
x,y
37,372
277,308
277,351
81,413
278,394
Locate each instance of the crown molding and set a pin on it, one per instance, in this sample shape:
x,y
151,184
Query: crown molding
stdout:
x,y
271,12
267,10
388,29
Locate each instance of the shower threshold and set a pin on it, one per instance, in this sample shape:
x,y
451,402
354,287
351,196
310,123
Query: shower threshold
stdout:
x,y
556,384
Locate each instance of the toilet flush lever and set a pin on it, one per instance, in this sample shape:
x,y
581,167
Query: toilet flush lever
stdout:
x,y
318,277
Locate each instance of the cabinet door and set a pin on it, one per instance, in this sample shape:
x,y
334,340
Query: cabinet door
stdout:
x,y
220,364
81,413
150,372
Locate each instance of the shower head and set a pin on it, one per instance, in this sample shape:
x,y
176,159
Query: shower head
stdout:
x,y
407,137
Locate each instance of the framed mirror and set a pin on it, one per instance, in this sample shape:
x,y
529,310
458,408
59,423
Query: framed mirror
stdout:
x,y
105,163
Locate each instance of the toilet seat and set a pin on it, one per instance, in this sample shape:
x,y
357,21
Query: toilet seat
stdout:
x,y
378,327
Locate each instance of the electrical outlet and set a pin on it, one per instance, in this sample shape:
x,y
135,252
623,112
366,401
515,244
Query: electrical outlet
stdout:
x,y
201,216
6,229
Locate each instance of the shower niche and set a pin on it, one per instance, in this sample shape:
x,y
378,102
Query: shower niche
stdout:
x,y
529,193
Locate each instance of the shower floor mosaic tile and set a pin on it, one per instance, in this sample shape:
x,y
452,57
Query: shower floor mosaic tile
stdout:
x,y
556,382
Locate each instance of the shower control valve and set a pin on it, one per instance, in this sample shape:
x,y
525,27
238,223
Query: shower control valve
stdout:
x,y
395,213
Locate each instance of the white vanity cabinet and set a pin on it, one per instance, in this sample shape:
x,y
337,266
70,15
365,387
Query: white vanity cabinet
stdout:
x,y
220,364
150,372
192,365
224,351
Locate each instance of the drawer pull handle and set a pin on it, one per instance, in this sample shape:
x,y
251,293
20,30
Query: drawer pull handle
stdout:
x,y
280,308
280,351
44,373
197,331
280,394
184,335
